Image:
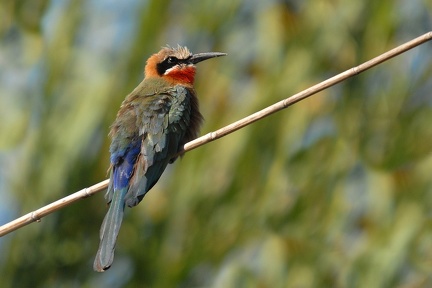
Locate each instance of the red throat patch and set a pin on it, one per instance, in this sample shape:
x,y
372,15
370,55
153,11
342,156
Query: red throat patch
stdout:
x,y
184,75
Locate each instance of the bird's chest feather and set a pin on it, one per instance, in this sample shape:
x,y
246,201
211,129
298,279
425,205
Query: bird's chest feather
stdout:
x,y
165,112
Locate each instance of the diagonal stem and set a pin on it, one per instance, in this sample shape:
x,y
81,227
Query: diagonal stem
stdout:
x,y
36,215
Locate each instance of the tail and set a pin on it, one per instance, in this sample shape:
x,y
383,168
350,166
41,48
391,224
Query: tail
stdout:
x,y
109,231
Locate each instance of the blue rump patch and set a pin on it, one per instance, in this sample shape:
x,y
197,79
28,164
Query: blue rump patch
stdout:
x,y
124,164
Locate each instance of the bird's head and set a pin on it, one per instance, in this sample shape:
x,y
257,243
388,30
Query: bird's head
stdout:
x,y
176,65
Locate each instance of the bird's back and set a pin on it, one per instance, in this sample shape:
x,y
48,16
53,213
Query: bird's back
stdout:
x,y
153,123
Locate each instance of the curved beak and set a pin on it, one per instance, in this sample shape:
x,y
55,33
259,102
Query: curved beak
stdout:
x,y
196,58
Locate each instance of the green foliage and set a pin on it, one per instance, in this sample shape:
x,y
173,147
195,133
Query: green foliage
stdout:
x,y
333,192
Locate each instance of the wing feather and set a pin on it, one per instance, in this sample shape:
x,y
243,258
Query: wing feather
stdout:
x,y
163,126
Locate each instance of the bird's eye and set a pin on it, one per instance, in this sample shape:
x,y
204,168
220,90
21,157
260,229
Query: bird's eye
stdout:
x,y
168,63
172,60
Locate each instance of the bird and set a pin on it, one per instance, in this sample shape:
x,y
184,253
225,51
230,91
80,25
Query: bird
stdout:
x,y
151,127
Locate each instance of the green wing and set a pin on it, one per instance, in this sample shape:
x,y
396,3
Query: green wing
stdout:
x,y
163,120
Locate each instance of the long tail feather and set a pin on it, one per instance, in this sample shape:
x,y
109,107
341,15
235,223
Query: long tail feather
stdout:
x,y
109,231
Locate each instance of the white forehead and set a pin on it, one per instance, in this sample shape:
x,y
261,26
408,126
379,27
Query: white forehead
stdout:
x,y
181,52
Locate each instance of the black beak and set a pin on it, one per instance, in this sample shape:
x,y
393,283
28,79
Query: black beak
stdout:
x,y
196,58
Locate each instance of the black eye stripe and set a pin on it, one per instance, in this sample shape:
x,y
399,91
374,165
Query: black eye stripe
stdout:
x,y
168,63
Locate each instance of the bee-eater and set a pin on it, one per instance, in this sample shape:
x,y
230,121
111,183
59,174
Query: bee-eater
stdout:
x,y
152,125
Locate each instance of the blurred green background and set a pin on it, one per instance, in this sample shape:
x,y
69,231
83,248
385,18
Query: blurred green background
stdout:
x,y
335,191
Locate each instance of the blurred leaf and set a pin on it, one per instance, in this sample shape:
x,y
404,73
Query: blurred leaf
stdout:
x,y
332,192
